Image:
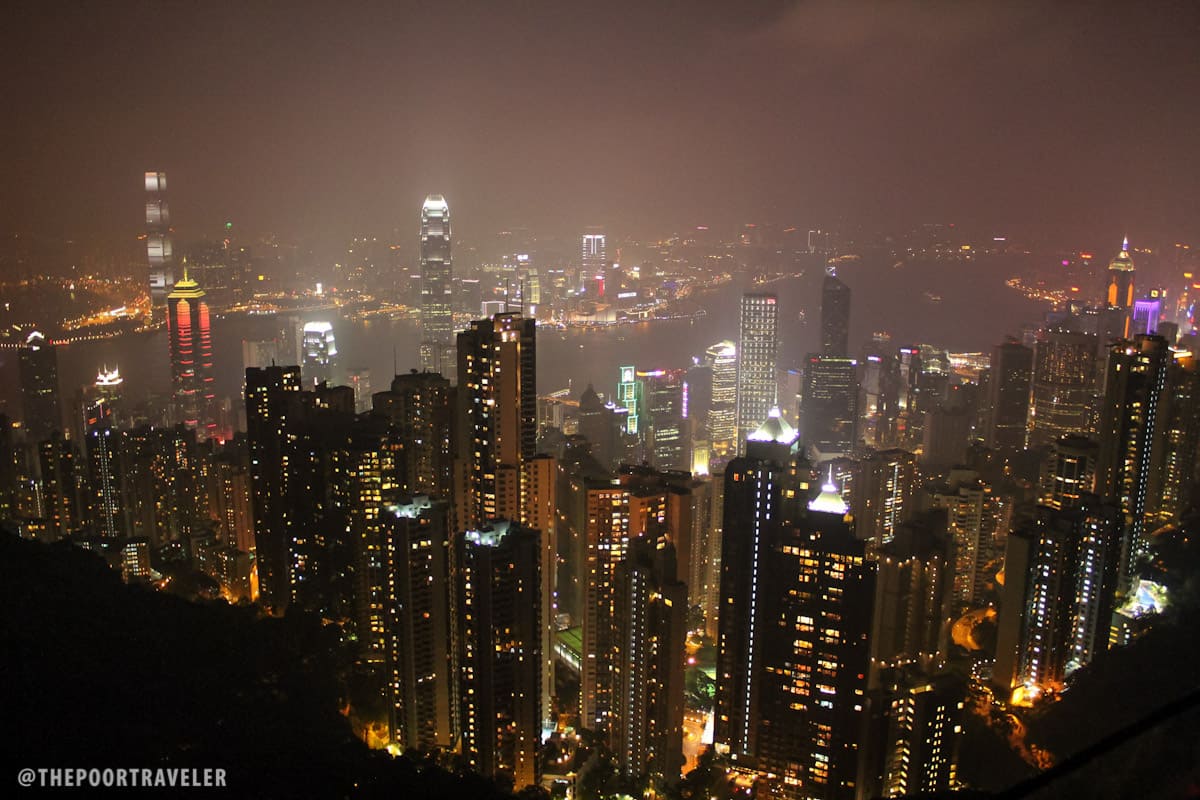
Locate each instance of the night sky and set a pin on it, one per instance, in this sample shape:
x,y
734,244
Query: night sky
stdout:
x,y
320,120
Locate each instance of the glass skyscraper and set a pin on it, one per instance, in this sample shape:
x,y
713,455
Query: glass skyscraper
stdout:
x,y
437,288
758,354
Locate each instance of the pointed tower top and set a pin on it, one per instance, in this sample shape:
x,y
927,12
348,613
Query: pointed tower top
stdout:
x,y
1125,245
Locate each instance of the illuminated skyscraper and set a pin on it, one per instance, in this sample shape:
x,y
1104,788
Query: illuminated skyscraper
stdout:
x,y
835,315
189,337
1008,395
499,619
319,351
437,287
39,387
882,495
757,361
159,251
593,259
1064,385
721,359
828,405
420,408
1118,296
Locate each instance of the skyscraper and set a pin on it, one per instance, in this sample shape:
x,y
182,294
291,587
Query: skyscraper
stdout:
x,y
1008,395
437,287
757,360
159,251
722,361
39,387
189,338
319,351
499,617
1063,386
1118,295
593,260
272,395
828,405
420,407
835,315
497,415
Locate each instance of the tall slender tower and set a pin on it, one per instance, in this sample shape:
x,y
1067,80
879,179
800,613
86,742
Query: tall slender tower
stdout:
x,y
721,359
159,252
39,387
758,356
437,288
1118,296
189,338
835,315
1008,395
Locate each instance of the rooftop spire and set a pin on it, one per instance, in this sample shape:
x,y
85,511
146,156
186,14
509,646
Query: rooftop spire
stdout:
x,y
1125,245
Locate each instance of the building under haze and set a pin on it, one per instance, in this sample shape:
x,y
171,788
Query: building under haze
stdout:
x,y
160,254
1008,395
189,339
835,315
1063,385
757,361
38,372
721,360
1118,295
437,287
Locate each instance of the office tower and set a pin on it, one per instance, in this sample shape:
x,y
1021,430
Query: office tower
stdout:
x,y
629,397
497,414
1144,318
1063,385
1118,296
924,735
757,361
189,339
907,408
722,362
1071,587
828,406
667,431
835,315
1008,395
272,397
106,500
359,379
599,425
978,520
1130,426
420,407
946,436
593,261
914,600
437,286
159,250
1071,472
39,387
499,618
882,495
422,658
651,622
319,351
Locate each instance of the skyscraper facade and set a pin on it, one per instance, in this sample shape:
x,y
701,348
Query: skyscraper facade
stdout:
x,y
828,405
1063,385
835,315
160,254
189,338
722,361
437,287
1008,395
757,361
38,370
1118,294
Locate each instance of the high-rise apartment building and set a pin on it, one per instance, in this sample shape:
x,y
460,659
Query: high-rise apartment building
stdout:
x,y
437,287
499,618
420,407
757,361
189,339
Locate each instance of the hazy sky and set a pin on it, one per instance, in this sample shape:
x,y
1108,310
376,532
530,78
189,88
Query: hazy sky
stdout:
x,y
328,118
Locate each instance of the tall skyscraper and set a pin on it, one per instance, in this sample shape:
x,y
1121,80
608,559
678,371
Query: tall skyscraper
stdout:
x,y
722,361
1129,431
499,618
1118,295
103,444
272,397
39,387
828,406
1064,385
1071,472
319,351
593,260
757,361
497,414
835,315
651,619
437,287
159,250
882,495
422,656
189,338
1008,395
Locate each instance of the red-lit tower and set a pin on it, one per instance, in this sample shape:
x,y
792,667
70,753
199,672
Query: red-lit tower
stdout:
x,y
189,338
